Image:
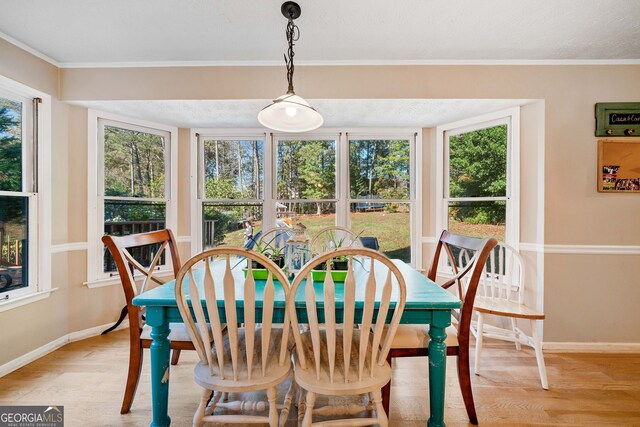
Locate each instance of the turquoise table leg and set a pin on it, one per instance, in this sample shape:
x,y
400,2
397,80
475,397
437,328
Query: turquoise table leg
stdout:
x,y
438,366
160,352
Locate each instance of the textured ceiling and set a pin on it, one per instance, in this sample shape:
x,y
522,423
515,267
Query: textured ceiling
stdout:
x,y
337,113
93,32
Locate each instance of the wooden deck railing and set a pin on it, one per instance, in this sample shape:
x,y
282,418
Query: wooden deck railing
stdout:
x,y
145,254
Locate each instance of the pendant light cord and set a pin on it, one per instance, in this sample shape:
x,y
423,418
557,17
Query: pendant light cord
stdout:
x,y
293,34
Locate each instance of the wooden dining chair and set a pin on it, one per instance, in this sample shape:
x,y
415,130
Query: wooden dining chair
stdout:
x,y
501,295
245,359
333,237
348,359
139,332
413,340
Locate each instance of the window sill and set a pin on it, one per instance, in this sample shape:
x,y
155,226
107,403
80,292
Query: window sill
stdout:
x,y
11,303
115,280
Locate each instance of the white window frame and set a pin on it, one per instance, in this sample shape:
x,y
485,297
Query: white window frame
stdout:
x,y
342,198
328,135
510,117
95,215
36,185
413,136
200,200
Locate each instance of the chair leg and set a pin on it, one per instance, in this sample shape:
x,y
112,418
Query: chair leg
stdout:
x,y
199,415
133,377
516,334
380,412
301,403
464,378
386,390
479,336
273,410
175,355
288,399
537,346
308,413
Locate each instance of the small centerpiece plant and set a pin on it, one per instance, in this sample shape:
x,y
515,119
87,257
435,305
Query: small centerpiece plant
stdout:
x,y
339,265
271,250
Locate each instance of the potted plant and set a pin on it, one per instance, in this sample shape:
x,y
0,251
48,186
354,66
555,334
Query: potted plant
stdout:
x,y
339,265
271,251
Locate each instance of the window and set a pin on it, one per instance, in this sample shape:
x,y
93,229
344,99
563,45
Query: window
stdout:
x,y
24,212
479,178
320,180
231,190
381,193
306,182
133,188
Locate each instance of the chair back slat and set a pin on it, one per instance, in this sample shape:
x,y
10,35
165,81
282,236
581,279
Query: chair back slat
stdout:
x,y
284,353
330,319
146,271
506,275
367,317
250,317
202,332
312,317
219,280
214,315
358,344
267,318
349,315
230,311
382,316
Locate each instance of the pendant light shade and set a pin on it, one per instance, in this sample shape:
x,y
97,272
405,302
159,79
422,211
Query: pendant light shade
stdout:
x,y
290,112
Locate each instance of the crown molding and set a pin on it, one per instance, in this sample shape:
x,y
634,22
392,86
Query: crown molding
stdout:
x,y
332,63
30,50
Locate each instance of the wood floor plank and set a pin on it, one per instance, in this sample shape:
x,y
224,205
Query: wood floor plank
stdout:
x,y
88,378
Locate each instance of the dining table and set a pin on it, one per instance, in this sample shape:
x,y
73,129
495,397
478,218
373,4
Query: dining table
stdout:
x,y
426,304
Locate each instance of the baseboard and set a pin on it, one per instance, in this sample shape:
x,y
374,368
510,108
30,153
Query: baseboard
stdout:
x,y
590,347
36,354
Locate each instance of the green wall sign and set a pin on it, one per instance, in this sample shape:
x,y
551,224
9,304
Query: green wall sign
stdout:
x,y
618,119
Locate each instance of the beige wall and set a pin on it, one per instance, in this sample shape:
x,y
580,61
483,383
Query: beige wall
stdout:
x,y
558,152
593,293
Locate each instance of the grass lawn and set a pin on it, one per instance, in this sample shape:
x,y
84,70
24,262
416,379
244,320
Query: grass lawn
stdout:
x,y
478,230
391,229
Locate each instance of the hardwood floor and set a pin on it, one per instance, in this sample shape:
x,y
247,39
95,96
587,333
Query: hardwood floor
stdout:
x,y
88,378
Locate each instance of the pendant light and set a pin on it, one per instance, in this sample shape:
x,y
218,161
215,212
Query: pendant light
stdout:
x,y
290,112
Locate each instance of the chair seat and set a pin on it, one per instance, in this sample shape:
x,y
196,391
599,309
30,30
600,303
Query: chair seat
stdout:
x,y
505,308
274,372
308,379
178,332
417,336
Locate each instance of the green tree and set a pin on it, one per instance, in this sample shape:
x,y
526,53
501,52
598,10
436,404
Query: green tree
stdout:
x,y
379,168
317,171
478,168
10,146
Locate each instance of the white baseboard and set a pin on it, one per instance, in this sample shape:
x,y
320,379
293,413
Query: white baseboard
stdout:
x,y
590,347
33,355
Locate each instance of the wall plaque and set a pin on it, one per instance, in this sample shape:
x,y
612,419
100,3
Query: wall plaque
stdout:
x,y
618,119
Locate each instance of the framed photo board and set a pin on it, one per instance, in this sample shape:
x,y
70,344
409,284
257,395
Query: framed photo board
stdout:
x,y
619,166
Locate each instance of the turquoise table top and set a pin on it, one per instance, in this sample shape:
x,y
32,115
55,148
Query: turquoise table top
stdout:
x,y
422,294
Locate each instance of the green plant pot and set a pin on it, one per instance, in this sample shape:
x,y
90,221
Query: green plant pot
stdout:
x,y
259,273
320,275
